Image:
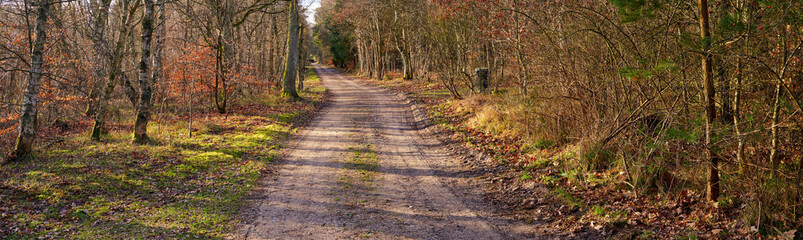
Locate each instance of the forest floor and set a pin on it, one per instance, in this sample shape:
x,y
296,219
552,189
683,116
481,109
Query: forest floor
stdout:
x,y
364,169
181,186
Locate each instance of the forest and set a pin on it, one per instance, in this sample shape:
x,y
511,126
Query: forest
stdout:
x,y
88,88
665,98
87,59
654,118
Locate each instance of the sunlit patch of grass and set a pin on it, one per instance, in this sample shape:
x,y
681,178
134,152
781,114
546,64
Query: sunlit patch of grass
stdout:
x,y
359,171
174,192
312,84
209,160
364,161
316,89
432,94
286,117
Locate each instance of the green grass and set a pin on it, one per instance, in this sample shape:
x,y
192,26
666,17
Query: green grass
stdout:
x,y
116,190
606,214
312,83
526,175
541,144
568,197
598,211
359,172
179,187
364,161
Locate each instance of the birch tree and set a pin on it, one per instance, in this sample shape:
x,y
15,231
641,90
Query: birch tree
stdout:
x,y
143,106
115,70
100,17
27,126
158,45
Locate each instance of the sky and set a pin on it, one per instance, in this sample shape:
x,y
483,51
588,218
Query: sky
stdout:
x,y
312,5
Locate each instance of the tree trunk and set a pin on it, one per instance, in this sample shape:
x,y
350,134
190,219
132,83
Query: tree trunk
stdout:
x,y
99,44
725,86
161,32
281,42
404,53
301,58
378,67
490,60
481,80
776,111
125,80
271,49
408,70
361,53
366,57
290,69
116,59
220,89
523,74
227,52
27,127
130,91
405,57
710,110
143,108
737,100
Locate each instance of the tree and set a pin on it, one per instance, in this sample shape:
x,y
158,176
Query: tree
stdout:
x,y
291,67
101,15
27,123
302,58
405,18
158,46
712,190
144,104
115,70
219,22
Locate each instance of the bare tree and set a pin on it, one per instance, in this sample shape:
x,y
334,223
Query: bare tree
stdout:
x,y
291,68
158,46
27,127
144,105
115,70
710,110
100,14
302,64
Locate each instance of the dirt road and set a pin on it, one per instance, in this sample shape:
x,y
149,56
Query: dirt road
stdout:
x,y
362,170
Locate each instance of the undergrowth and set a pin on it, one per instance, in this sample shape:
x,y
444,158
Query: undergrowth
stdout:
x,y
651,177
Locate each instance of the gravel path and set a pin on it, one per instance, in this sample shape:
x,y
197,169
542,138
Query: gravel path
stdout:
x,y
362,170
